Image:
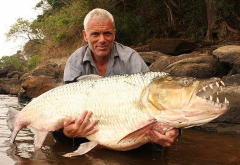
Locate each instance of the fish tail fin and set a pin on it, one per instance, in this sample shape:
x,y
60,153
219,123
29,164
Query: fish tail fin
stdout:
x,y
11,117
82,149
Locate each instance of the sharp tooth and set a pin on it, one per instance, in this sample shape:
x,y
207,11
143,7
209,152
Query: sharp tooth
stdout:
x,y
217,100
211,86
204,89
211,98
222,83
217,84
226,101
217,93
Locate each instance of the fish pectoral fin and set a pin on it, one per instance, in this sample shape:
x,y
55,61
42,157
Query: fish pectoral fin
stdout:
x,y
82,149
138,133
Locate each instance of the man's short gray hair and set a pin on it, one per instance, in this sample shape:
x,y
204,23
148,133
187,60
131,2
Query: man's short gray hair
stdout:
x,y
100,13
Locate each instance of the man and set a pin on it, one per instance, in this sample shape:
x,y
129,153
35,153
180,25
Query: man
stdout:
x,y
103,56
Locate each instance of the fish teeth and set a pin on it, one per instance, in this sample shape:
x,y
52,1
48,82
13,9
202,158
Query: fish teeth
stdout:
x,y
211,98
222,83
217,100
204,88
226,101
217,84
211,86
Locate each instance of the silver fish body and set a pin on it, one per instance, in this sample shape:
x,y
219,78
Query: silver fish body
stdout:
x,y
125,105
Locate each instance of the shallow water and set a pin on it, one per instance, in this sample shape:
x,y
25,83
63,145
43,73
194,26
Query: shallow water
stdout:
x,y
194,148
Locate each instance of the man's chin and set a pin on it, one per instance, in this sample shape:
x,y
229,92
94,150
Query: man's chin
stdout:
x,y
102,55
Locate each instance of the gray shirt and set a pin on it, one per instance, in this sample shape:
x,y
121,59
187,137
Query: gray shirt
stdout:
x,y
123,60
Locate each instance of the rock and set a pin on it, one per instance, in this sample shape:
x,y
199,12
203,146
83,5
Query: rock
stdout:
x,y
46,69
193,65
14,74
229,54
5,71
151,57
172,46
9,86
36,85
232,80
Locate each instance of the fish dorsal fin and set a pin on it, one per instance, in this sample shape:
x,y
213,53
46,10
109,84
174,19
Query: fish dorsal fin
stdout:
x,y
82,149
88,77
138,133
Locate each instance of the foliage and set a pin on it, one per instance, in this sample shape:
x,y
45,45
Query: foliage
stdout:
x,y
58,31
33,62
7,61
25,30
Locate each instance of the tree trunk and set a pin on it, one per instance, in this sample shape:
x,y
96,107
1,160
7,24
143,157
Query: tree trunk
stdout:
x,y
217,29
172,11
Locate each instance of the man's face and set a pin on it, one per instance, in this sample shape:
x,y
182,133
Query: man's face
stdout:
x,y
100,35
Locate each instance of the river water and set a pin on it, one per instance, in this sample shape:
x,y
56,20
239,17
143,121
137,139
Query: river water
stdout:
x,y
195,147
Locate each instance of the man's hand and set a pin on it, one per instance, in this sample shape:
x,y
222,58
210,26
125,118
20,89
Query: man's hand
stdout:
x,y
80,127
164,140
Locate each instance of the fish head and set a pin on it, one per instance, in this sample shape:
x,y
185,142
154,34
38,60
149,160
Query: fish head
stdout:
x,y
186,101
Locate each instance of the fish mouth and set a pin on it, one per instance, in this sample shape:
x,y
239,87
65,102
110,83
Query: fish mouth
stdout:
x,y
210,91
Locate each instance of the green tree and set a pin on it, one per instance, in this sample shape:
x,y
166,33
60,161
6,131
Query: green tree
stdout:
x,y
23,29
17,61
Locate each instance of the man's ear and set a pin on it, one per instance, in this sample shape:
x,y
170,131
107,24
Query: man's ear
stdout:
x,y
85,35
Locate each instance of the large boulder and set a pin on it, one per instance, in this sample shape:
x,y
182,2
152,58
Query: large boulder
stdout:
x,y
229,54
10,86
172,46
192,65
36,85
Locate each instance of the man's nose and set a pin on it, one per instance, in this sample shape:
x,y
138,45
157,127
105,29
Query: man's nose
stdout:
x,y
102,38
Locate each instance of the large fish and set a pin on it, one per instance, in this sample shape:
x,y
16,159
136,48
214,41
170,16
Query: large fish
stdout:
x,y
127,106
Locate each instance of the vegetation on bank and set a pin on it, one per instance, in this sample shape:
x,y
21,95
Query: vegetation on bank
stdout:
x,y
58,31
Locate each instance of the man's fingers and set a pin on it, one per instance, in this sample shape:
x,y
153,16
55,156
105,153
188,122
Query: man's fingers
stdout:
x,y
83,119
91,131
69,121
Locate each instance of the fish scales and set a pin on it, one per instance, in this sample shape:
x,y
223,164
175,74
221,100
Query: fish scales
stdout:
x,y
107,98
126,107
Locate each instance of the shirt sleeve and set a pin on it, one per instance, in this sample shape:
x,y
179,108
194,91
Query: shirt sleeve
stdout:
x,y
136,64
71,73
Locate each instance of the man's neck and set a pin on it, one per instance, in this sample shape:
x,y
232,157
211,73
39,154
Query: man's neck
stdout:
x,y
101,63
101,60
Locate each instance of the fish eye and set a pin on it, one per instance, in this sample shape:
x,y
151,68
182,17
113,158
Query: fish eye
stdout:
x,y
185,82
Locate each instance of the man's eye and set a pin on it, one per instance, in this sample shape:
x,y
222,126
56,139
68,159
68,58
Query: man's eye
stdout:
x,y
108,33
95,34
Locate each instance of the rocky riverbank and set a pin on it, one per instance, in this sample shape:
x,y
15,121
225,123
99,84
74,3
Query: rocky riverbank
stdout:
x,y
175,56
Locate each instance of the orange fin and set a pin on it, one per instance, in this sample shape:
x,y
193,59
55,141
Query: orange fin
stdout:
x,y
82,149
138,133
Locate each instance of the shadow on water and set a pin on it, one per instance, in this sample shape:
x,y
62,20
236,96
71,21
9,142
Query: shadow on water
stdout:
x,y
194,148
